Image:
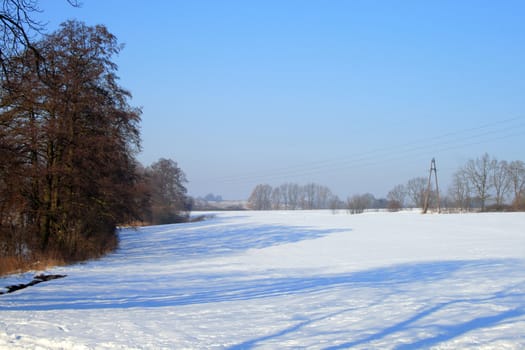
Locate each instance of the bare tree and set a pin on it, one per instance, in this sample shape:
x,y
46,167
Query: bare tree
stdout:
x,y
18,27
276,198
261,197
309,195
285,196
516,175
294,196
415,190
357,203
500,181
335,204
477,172
324,197
460,191
396,198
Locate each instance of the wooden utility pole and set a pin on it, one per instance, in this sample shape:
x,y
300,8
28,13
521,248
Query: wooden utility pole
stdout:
x,y
429,187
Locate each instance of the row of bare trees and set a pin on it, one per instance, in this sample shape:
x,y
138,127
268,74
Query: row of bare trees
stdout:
x,y
482,183
486,180
68,141
291,196
411,194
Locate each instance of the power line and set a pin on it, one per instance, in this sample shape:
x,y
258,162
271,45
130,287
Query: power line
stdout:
x,y
452,140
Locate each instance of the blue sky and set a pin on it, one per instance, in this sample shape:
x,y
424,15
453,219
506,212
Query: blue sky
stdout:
x,y
355,95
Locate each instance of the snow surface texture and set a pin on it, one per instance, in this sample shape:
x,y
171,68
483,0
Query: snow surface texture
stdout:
x,y
276,280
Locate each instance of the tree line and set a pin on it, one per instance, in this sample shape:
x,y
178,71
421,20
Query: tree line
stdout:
x,y
292,196
484,183
68,142
488,180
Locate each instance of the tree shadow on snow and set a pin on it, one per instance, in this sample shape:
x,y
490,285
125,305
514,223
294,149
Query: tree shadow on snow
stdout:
x,y
194,241
453,331
444,332
219,287
510,298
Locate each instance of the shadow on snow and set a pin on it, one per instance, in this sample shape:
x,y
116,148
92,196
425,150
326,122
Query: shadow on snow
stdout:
x,y
194,241
219,287
209,239
391,280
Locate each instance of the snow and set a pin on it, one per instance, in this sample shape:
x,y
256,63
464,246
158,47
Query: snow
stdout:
x,y
287,279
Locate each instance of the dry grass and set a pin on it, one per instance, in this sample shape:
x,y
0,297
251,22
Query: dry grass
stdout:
x,y
11,265
85,249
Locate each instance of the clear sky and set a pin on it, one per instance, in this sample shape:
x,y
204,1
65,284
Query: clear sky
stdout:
x,y
358,96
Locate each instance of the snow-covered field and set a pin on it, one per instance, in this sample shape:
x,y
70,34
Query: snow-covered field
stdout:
x,y
275,280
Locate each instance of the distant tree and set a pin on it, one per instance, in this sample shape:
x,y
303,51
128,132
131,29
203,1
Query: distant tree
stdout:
x,y
335,204
477,172
324,197
291,196
285,196
396,198
169,201
261,198
309,196
460,191
357,203
516,175
294,196
501,181
415,190
276,198
380,203
210,197
353,205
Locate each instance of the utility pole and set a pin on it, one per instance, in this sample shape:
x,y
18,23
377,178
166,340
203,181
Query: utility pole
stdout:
x,y
427,195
